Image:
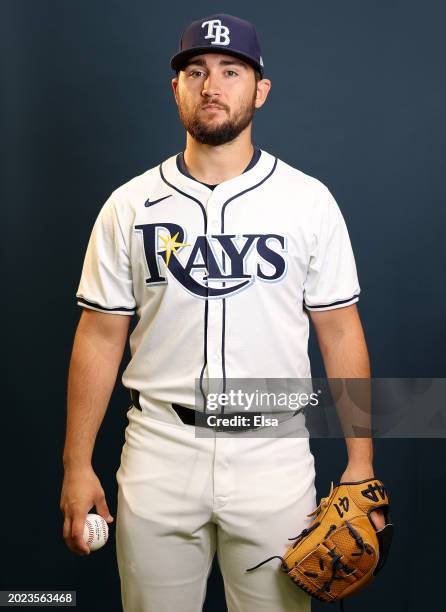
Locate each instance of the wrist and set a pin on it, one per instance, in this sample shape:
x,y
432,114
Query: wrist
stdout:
x,y
357,470
360,463
75,464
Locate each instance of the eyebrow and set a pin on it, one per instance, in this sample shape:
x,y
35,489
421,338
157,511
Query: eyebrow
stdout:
x,y
202,62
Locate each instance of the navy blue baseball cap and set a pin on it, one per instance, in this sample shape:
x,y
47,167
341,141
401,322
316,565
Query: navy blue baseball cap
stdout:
x,y
219,34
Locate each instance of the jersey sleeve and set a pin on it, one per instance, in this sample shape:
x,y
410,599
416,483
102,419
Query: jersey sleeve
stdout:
x,y
332,280
106,281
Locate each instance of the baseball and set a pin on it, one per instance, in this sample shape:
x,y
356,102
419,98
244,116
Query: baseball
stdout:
x,y
95,531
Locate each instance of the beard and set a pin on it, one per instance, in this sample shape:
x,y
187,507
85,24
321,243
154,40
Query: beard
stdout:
x,y
215,135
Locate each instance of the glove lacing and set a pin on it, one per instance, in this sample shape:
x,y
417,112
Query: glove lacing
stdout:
x,y
336,559
322,505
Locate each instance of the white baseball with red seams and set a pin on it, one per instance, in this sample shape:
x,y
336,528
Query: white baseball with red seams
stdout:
x,y
95,531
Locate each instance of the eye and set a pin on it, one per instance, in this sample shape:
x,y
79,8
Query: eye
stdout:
x,y
231,73
194,73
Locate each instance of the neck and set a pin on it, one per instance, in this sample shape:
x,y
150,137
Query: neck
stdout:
x,y
213,165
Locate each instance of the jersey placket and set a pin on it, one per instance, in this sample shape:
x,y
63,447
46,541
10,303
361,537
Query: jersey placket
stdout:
x,y
215,305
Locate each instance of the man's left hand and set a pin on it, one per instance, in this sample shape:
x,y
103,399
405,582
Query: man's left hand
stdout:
x,y
353,473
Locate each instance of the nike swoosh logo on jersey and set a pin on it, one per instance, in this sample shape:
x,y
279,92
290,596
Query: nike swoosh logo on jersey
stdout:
x,y
151,203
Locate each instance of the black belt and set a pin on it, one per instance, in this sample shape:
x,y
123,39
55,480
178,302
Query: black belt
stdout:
x,y
186,414
134,394
191,417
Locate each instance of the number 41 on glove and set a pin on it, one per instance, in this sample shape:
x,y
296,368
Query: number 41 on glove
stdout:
x,y
341,551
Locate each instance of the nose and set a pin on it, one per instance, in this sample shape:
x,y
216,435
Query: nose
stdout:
x,y
211,86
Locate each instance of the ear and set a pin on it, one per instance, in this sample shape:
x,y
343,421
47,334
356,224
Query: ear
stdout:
x,y
175,88
263,88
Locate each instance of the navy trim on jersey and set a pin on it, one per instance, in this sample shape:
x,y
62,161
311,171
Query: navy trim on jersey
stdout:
x,y
223,336
254,159
185,195
333,303
223,327
95,305
181,165
237,195
205,351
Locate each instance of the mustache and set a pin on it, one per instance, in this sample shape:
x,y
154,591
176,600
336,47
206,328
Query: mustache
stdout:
x,y
215,103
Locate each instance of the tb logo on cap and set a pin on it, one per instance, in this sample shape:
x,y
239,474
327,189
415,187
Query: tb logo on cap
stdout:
x,y
218,32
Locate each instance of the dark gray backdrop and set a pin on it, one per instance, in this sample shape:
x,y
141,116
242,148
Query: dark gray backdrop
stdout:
x,y
358,99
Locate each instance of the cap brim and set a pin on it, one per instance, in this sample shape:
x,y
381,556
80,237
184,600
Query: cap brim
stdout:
x,y
179,60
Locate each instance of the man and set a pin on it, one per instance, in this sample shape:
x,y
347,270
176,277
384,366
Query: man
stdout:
x,y
223,252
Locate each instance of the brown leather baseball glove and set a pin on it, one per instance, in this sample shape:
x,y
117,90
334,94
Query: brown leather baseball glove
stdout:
x,y
341,551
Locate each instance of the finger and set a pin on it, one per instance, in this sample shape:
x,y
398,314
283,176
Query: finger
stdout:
x,y
67,529
102,509
67,534
77,535
378,518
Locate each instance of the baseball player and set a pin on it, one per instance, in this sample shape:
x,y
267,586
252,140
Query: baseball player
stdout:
x,y
222,252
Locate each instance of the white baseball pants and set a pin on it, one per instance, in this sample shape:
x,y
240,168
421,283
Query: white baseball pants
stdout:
x,y
181,499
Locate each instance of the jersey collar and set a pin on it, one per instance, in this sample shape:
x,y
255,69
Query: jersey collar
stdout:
x,y
183,169
228,189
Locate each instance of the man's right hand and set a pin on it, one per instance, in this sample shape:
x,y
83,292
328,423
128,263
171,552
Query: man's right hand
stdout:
x,y
81,490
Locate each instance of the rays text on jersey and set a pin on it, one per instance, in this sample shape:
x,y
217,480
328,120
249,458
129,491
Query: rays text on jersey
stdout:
x,y
212,266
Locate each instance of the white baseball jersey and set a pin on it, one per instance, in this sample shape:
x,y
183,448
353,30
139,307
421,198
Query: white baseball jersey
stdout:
x,y
220,280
